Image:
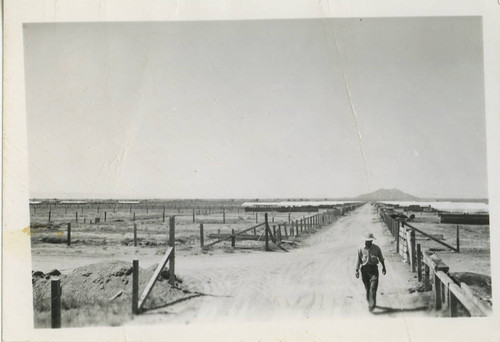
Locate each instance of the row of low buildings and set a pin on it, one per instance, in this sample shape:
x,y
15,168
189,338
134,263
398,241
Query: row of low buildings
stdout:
x,y
295,206
448,212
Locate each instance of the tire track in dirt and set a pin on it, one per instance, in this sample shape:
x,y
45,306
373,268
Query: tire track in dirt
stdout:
x,y
316,280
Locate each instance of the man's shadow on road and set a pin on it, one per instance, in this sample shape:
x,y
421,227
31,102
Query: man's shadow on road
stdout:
x,y
382,310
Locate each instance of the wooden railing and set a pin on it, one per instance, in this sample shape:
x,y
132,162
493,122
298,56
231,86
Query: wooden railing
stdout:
x,y
449,294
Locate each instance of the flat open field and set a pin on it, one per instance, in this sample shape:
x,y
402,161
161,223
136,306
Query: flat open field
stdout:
x,y
113,239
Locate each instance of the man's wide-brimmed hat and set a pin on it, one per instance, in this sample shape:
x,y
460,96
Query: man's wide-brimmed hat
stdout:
x,y
369,237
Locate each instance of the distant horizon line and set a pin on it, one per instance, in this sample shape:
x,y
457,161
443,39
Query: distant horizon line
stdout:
x,y
419,199
379,193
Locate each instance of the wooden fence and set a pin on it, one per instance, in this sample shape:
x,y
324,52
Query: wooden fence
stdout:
x,y
137,302
279,232
169,256
404,233
449,294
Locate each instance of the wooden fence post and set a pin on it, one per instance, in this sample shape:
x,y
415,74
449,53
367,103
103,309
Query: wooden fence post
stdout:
x,y
398,229
458,240
296,228
50,212
171,243
135,234
256,218
135,287
427,280
223,215
453,304
266,232
419,262
288,217
279,233
134,216
274,230
233,239
163,215
437,292
201,234
413,256
105,216
55,307
68,235
194,218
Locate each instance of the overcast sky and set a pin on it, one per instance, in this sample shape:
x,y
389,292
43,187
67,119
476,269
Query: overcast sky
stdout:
x,y
248,109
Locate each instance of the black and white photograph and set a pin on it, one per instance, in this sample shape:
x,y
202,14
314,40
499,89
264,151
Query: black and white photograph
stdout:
x,y
256,171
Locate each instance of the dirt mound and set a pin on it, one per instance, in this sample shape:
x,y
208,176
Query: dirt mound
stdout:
x,y
104,290
54,239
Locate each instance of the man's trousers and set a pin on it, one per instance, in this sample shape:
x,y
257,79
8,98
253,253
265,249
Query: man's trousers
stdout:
x,y
369,275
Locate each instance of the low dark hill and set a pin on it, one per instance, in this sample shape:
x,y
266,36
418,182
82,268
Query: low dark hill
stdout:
x,y
386,195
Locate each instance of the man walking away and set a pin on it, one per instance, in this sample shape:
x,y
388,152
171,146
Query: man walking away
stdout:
x,y
368,258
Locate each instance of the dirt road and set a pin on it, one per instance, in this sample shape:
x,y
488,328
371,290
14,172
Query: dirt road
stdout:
x,y
317,280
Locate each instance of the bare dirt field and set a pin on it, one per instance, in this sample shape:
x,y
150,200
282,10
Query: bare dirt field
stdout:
x,y
314,279
474,253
